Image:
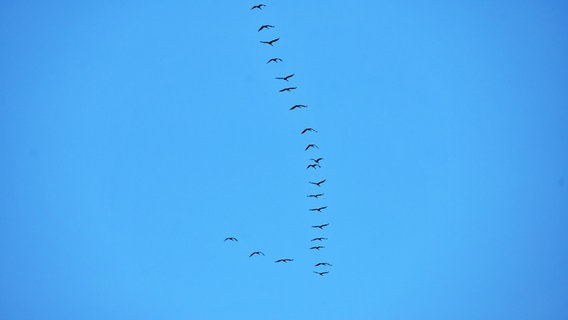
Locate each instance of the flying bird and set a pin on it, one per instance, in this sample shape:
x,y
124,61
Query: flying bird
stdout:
x,y
323,264
308,130
316,160
321,273
265,26
311,145
318,209
317,247
271,41
313,165
321,226
274,60
286,77
318,239
317,183
258,6
231,239
283,260
256,253
287,89
315,195
297,106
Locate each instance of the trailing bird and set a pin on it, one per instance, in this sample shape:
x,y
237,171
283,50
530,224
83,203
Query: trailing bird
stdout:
x,y
323,264
287,89
321,273
318,209
311,145
297,106
315,195
318,239
274,60
286,77
317,183
258,6
321,226
265,26
317,247
316,160
313,165
271,41
308,130
231,239
256,253
283,260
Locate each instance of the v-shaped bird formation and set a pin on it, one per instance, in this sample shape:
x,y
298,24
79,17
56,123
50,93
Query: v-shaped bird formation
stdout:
x,y
311,148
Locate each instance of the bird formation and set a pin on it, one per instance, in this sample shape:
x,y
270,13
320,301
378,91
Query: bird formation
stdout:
x,y
311,147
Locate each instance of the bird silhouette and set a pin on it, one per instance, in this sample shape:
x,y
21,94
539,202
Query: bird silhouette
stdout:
x,y
317,183
318,239
317,247
323,264
274,60
271,41
321,226
315,195
287,89
308,130
316,160
311,145
283,260
231,239
321,273
313,165
256,253
265,26
297,106
318,209
258,6
286,77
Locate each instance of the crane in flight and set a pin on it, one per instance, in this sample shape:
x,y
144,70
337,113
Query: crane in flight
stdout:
x,y
321,226
315,195
271,41
317,183
287,89
258,6
265,26
286,77
283,260
298,106
274,60
256,253
308,130
318,209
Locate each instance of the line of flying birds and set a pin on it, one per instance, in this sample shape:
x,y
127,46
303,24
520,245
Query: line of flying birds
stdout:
x,y
315,162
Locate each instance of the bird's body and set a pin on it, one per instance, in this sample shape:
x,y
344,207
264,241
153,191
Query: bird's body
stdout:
x,y
321,273
283,260
258,6
308,130
287,89
313,165
274,60
286,77
317,183
231,239
256,253
318,209
271,41
318,239
311,145
323,264
317,247
298,106
321,226
265,26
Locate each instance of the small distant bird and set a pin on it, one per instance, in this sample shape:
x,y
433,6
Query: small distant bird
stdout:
x,y
265,26
258,6
316,160
286,77
313,165
317,183
283,260
315,195
271,41
311,145
321,273
297,106
317,247
321,226
231,239
323,264
287,89
318,239
256,253
318,209
274,60
308,130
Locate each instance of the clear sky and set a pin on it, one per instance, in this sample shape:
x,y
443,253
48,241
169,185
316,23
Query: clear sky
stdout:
x,y
135,136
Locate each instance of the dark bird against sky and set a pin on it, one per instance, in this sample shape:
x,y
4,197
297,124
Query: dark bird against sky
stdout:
x,y
286,77
318,209
318,239
316,160
231,239
287,89
317,248
321,273
321,226
274,60
311,145
317,183
256,253
323,264
271,41
315,195
283,260
258,6
298,106
308,130
265,26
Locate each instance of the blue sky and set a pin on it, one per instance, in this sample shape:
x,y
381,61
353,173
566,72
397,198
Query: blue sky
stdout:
x,y
136,136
